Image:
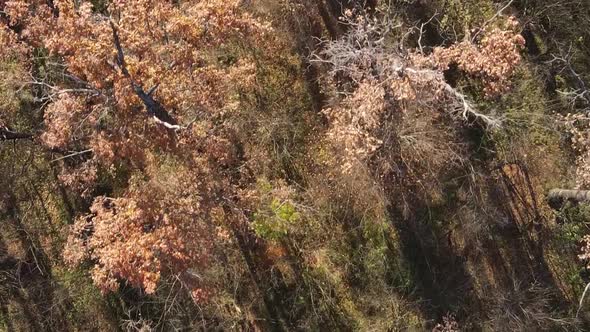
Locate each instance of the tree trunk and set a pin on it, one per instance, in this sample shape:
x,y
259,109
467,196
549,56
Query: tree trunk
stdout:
x,y
8,135
275,321
330,21
557,197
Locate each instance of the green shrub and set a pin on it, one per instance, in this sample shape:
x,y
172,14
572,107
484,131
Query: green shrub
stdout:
x,y
274,220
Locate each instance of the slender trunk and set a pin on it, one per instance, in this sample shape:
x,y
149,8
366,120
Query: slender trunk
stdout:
x,y
329,21
273,311
306,30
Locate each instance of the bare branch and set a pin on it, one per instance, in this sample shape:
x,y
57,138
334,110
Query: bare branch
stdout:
x,y
467,111
72,155
579,96
153,107
582,299
498,13
422,32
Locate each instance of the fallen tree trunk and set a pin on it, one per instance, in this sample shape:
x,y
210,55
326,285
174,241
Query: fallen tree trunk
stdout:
x,y
9,135
557,197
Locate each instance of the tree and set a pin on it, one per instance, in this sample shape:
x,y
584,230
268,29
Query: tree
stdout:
x,y
138,84
390,100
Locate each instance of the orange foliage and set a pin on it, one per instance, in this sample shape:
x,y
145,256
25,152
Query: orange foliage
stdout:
x,y
119,62
159,226
493,60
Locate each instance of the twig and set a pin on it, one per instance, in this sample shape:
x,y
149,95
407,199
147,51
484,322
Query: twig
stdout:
x,y
72,155
498,13
582,299
422,32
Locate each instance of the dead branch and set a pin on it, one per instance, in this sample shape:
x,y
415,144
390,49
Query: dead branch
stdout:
x,y
72,155
9,135
153,107
466,111
557,197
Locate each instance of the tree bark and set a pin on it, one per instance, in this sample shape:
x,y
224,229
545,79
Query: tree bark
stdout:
x,y
557,197
330,21
9,135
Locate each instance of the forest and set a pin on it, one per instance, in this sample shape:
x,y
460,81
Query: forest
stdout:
x,y
294,165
